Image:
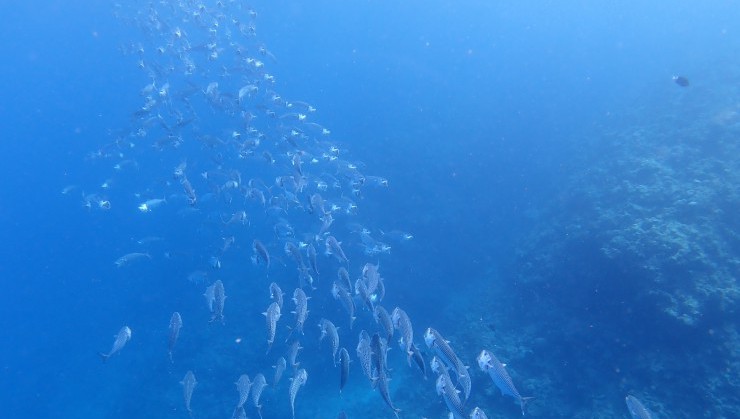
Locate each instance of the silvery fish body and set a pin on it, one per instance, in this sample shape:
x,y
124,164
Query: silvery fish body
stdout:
x,y
188,385
333,247
243,384
175,326
261,253
340,293
258,385
301,309
296,383
402,323
439,345
328,329
279,366
447,390
477,413
276,294
637,409
343,368
364,354
384,320
272,315
497,371
219,298
121,339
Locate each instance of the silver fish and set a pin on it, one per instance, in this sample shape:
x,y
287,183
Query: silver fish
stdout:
x,y
637,409
343,368
261,253
341,294
333,247
328,329
243,384
131,257
402,323
419,360
175,326
188,385
362,292
272,315
488,363
301,310
311,253
258,385
121,339
447,390
384,320
210,296
296,383
293,354
279,369
343,278
239,413
276,294
219,297
381,383
364,354
477,413
441,347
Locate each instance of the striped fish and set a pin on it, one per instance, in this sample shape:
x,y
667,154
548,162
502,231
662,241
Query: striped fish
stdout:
x,y
488,363
258,385
364,354
243,384
637,409
279,370
296,383
447,390
436,342
328,329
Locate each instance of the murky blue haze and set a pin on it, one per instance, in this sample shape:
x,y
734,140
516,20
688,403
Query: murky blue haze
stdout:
x,y
573,208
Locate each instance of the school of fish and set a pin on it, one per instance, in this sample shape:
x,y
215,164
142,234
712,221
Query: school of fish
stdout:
x,y
275,187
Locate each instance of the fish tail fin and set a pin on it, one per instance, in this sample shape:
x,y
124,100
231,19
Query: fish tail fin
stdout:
x,y
396,411
523,402
103,357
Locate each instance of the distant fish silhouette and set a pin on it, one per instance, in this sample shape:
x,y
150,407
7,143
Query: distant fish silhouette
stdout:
x,y
681,81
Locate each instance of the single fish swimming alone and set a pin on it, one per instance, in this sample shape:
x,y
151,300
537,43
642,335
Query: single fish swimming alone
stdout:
x,y
121,339
488,363
175,326
188,385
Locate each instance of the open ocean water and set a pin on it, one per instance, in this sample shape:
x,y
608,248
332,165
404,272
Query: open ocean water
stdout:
x,y
556,183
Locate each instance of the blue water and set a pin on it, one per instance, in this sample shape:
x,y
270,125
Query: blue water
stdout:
x,y
572,208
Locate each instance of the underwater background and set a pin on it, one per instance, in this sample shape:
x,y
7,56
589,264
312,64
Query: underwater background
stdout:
x,y
528,176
